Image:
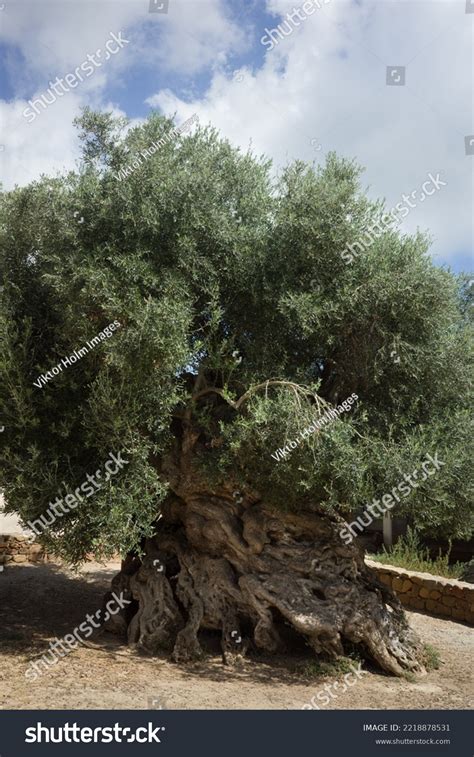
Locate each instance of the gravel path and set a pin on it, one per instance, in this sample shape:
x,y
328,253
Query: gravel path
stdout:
x,y
41,602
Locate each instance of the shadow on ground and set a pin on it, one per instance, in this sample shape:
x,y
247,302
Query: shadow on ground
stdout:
x,y
42,602
39,602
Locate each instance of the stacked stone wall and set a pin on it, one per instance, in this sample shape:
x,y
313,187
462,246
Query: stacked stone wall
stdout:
x,y
444,597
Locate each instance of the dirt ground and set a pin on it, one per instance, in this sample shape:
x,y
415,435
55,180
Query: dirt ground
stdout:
x,y
41,602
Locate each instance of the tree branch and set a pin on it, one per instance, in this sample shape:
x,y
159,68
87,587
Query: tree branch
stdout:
x,y
298,390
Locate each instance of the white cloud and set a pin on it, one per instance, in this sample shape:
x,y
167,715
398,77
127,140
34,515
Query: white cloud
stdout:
x,y
55,37
194,36
44,146
50,39
326,82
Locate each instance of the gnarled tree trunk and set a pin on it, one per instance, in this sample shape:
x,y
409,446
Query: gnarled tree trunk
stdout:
x,y
227,561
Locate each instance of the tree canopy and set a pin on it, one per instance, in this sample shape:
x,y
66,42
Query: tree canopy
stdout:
x,y
225,281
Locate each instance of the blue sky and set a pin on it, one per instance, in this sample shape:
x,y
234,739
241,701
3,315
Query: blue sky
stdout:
x,y
322,87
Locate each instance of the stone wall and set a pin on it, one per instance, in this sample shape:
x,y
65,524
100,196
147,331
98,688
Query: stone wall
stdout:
x,y
17,548
445,597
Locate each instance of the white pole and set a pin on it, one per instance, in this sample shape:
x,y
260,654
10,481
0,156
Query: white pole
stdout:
x,y
387,530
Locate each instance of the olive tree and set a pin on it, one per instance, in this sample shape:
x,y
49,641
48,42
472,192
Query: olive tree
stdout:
x,y
241,325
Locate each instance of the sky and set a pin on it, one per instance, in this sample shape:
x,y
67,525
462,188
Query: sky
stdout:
x,y
322,85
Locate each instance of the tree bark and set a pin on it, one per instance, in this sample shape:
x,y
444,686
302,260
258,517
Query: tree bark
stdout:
x,y
227,561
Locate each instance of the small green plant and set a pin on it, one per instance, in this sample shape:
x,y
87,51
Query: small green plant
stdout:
x,y
409,553
431,657
326,668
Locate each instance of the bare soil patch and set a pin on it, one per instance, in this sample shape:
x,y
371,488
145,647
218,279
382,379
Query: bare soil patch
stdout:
x,y
42,602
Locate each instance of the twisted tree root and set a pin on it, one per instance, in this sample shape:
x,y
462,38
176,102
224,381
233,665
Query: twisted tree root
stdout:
x,y
221,565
